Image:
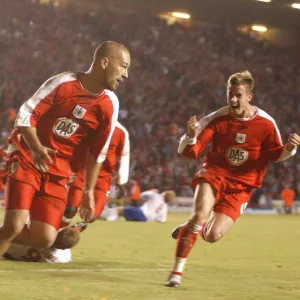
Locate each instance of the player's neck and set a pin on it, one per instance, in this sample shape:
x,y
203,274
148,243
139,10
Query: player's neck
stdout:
x,y
246,114
89,85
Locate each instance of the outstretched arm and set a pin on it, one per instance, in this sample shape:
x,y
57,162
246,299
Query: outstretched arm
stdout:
x,y
92,169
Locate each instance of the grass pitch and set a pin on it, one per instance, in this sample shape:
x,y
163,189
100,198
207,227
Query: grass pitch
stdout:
x,y
258,259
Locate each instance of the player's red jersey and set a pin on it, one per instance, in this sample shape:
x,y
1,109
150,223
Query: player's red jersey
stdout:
x,y
66,117
241,148
118,152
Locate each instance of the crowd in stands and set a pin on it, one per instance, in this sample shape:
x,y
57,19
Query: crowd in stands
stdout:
x,y
177,71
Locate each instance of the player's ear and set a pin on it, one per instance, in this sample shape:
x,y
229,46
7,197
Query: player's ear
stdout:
x,y
104,62
250,97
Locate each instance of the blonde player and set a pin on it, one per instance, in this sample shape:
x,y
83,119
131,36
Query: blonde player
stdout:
x,y
244,139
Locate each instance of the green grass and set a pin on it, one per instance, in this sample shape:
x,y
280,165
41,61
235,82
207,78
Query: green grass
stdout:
x,y
259,259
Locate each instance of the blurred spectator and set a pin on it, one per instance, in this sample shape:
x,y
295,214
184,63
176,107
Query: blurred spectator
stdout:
x,y
177,71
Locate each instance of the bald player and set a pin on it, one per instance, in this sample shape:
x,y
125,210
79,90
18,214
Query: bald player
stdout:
x,y
70,111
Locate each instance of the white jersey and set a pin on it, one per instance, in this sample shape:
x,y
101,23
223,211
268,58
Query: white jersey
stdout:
x,y
155,208
25,253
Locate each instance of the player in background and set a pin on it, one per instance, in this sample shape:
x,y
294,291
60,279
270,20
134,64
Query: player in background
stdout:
x,y
59,252
244,140
135,193
288,196
69,111
117,154
154,208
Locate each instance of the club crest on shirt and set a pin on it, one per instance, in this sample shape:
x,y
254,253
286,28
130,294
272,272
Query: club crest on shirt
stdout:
x,y
240,138
79,112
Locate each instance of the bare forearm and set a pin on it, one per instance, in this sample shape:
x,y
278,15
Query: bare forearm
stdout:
x,y
287,152
30,136
92,169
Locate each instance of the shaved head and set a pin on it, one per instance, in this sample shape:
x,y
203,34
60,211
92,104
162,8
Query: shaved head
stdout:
x,y
109,49
111,63
109,68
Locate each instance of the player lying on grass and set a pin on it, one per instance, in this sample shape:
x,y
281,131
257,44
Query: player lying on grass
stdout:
x,y
154,208
59,252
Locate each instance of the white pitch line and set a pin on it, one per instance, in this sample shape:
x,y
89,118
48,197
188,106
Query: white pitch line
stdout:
x,y
83,270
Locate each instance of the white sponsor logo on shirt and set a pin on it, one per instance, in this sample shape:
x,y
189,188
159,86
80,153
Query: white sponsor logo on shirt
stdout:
x,y
65,128
236,156
79,112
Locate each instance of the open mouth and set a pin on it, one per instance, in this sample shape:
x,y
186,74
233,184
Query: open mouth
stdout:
x,y
235,106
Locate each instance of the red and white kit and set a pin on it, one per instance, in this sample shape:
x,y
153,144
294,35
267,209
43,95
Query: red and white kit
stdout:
x,y
118,153
239,155
67,119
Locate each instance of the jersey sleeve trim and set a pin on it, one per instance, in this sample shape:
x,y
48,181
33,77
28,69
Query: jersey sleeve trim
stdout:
x,y
285,154
123,173
268,117
115,103
24,116
186,140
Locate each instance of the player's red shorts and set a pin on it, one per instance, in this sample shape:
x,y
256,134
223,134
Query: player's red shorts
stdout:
x,y
231,196
77,180
101,194
27,189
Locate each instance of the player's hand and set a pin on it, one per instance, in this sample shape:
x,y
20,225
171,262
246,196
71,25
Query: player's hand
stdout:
x,y
192,126
42,157
293,141
87,209
123,189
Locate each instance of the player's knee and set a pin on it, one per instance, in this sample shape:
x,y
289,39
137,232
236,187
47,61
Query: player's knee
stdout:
x,y
213,235
70,212
200,217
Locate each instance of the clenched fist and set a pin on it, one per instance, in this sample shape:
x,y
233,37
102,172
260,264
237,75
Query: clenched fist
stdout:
x,y
192,126
293,141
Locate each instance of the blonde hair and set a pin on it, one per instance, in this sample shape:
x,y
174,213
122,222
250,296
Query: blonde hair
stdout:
x,y
169,196
242,78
